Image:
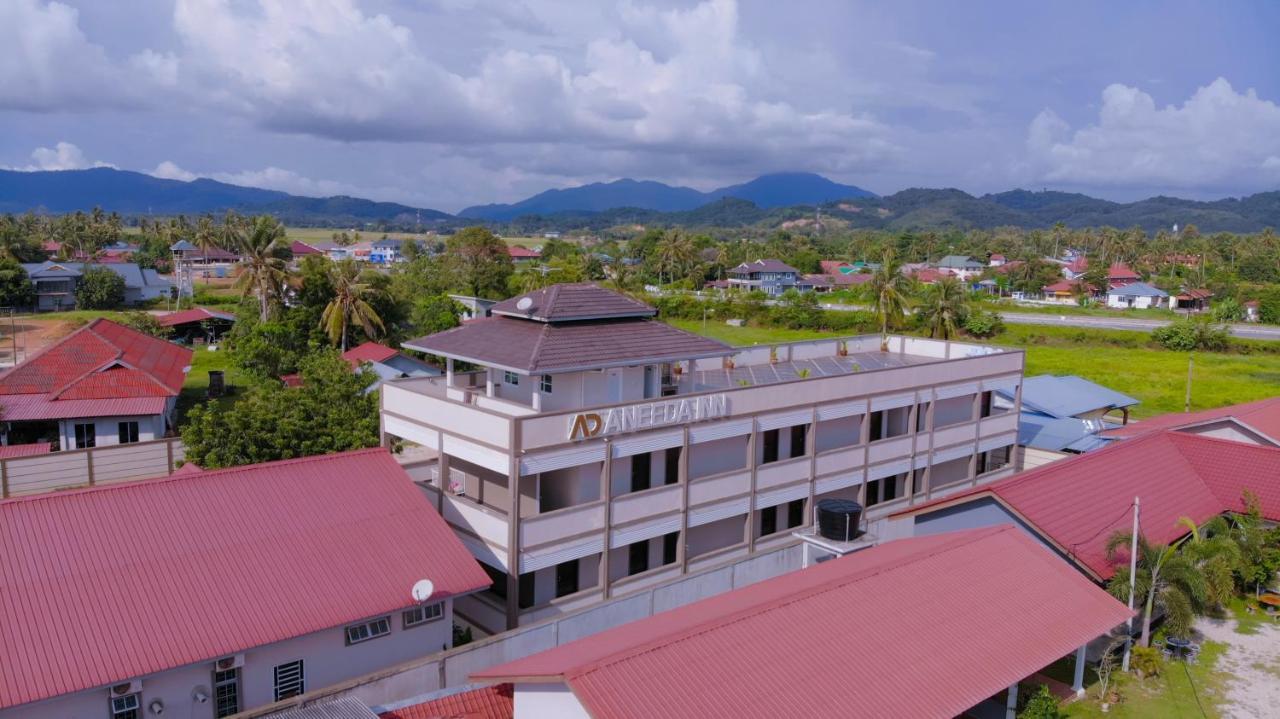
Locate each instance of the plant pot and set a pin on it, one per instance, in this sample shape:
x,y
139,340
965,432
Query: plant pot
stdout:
x,y
1106,707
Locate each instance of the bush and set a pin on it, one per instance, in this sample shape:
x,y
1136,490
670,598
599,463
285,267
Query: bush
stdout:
x,y
1269,306
1192,333
797,311
146,323
99,289
1146,661
1228,310
1043,705
981,323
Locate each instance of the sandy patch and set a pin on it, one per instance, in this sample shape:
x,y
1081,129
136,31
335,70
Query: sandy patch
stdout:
x,y
1253,661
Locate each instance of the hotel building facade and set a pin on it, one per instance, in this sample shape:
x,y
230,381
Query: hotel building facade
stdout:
x,y
638,452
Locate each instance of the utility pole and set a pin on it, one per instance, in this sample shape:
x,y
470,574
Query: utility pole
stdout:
x,y
1191,363
1133,580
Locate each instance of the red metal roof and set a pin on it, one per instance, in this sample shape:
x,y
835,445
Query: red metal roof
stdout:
x,y
1262,415
369,352
24,450
833,267
891,631
1069,286
491,702
927,275
302,248
195,314
1121,271
522,253
1078,503
106,584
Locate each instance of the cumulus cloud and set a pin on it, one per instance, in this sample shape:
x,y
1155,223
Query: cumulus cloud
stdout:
x,y
62,156
1217,138
169,170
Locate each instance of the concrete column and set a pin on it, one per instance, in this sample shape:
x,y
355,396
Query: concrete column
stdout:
x,y
537,399
1011,706
448,371
488,381
606,493
1078,683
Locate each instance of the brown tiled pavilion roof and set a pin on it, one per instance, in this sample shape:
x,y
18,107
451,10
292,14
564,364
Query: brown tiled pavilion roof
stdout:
x,y
530,347
568,302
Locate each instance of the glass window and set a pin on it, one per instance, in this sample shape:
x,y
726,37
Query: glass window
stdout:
x,y
511,378
670,547
567,578
769,452
672,466
125,707
798,434
545,384
128,432
226,692
86,435
638,557
795,513
289,680
768,521
640,470
422,614
357,633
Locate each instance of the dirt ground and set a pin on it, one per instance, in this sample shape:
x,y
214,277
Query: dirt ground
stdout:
x,y
31,336
1253,661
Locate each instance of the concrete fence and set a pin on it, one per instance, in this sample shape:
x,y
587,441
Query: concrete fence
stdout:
x,y
76,468
448,670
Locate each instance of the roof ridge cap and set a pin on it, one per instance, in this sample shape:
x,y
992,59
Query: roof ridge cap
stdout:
x,y
756,608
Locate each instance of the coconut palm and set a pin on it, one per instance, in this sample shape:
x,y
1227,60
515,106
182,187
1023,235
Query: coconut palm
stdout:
x,y
675,254
1214,552
350,304
944,307
1169,580
889,290
264,272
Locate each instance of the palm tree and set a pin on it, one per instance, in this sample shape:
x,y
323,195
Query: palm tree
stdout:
x,y
1169,580
1214,552
264,272
350,304
675,254
889,289
944,308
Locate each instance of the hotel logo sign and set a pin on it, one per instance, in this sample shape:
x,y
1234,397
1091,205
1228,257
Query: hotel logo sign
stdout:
x,y
647,416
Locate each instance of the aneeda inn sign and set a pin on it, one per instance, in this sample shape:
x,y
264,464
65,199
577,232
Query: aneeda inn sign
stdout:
x,y
616,420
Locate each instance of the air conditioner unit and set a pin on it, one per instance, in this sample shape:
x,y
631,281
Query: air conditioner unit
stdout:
x,y
232,662
129,687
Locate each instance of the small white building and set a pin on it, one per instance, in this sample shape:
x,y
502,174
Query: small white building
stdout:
x,y
1136,295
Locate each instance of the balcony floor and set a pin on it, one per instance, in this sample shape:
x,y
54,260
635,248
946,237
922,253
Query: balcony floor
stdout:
x,y
766,374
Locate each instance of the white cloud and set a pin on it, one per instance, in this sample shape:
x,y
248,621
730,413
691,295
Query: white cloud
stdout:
x,y
50,65
62,156
169,170
275,178
1218,138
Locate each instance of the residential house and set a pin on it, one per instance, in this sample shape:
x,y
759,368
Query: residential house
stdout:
x,y
962,266
1075,505
823,641
523,254
56,282
389,250
1136,295
197,324
1251,311
1067,291
772,277
593,451
927,275
473,307
1075,268
1194,300
1064,414
207,593
387,363
1253,422
102,384
836,267
997,260
302,249
1120,274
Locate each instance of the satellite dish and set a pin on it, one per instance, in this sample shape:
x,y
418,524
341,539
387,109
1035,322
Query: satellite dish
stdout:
x,y
422,590
524,304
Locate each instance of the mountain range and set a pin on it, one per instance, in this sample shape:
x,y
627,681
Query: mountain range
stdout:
x,y
781,189
769,201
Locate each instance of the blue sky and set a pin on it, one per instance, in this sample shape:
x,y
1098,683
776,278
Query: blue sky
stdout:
x,y
446,103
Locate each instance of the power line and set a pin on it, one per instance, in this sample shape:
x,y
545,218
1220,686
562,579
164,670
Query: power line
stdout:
x,y
1104,528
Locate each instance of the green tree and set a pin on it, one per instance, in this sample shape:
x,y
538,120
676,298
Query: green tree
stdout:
x,y
1042,705
1215,555
944,307
1228,310
480,261
264,270
1167,580
1187,334
435,314
333,411
1259,545
798,310
99,289
889,290
16,289
146,323
350,304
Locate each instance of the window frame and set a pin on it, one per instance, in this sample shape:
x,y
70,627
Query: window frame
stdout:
x,y
769,446
406,622
801,432
562,575
510,378
85,438
373,629
544,384
297,686
127,431
768,520
128,712
218,683
640,481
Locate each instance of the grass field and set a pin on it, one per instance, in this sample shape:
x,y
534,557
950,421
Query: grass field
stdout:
x,y
1116,359
316,234
195,390
1181,690
1150,314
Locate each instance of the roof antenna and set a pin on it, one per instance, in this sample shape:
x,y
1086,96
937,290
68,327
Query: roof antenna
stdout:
x,y
422,590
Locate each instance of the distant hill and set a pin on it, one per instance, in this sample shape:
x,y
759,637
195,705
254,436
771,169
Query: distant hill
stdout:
x,y
134,193
781,189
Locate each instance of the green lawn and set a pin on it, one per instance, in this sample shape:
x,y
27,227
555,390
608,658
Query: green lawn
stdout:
x,y
1181,690
1117,359
72,315
1151,314
195,390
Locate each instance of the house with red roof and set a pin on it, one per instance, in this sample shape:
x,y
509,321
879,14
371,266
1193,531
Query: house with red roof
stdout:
x,y
1073,506
823,641
102,384
1066,291
1120,274
198,323
523,254
1253,422
387,363
207,593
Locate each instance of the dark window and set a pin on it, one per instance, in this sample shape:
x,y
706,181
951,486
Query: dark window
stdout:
x,y
638,557
226,692
993,460
873,493
498,579
768,521
640,466
545,384
670,547
917,484
922,416
672,466
86,435
770,449
289,680
128,432
986,404
567,578
526,588
877,425
795,513
798,434
889,487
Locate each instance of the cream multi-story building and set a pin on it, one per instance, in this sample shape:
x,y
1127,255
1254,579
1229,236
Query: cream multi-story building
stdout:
x,y
639,452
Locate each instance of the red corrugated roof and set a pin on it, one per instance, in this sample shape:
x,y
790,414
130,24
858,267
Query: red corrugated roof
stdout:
x,y
195,314
1262,415
102,345
302,248
1078,503
1069,286
1121,271
39,407
369,352
891,631
24,450
492,702
107,584
522,253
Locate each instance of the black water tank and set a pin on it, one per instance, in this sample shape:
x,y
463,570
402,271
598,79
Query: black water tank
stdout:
x,y
838,519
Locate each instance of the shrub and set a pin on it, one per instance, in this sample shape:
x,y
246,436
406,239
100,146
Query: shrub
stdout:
x,y
1192,333
1228,310
146,323
1043,705
981,323
1146,661
100,289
